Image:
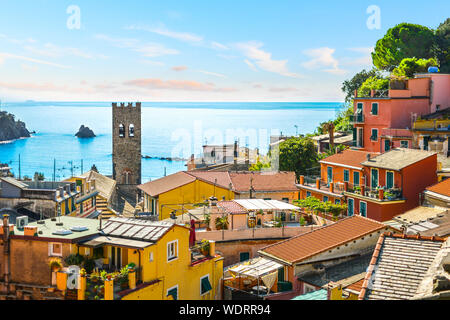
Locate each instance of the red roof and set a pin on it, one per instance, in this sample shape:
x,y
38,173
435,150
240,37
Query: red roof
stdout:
x,y
263,181
232,207
306,245
349,157
442,187
235,181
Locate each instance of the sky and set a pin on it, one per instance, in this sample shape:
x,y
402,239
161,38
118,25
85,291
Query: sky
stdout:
x,y
194,50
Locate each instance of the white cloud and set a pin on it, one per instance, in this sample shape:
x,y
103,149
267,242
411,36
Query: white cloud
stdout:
x,y
163,31
251,65
264,60
322,59
212,74
4,55
219,46
364,60
52,50
146,49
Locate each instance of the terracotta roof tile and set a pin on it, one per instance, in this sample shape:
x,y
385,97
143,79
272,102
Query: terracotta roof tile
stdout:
x,y
220,178
170,182
306,245
264,181
398,265
349,157
357,286
231,207
442,187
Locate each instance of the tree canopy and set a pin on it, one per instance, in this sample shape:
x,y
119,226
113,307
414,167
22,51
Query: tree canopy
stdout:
x,y
405,40
349,86
409,66
373,83
297,154
442,49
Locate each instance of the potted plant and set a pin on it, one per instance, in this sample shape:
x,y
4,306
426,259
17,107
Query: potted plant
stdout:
x,y
204,247
55,264
357,189
83,272
389,195
131,266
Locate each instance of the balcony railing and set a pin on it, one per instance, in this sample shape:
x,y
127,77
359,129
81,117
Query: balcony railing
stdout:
x,y
375,193
357,118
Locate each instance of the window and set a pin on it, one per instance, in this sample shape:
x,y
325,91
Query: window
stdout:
x,y
329,174
172,250
374,180
359,107
267,198
404,144
356,178
346,175
131,130
374,109
205,285
244,256
363,209
55,249
121,130
150,258
389,180
350,207
374,136
173,292
281,274
387,145
337,201
285,200
308,194
325,198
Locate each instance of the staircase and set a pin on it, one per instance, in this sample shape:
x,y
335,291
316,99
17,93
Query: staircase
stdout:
x,y
102,205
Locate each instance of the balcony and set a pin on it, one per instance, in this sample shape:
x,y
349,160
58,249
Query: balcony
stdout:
x,y
357,118
380,194
396,133
314,182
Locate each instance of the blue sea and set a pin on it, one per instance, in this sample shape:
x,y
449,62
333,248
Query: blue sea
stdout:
x,y
169,129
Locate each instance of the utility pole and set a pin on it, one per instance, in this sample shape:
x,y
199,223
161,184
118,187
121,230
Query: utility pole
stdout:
x,y
81,166
54,169
20,177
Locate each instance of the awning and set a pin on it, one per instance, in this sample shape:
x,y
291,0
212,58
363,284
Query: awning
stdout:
x,y
260,204
117,242
256,267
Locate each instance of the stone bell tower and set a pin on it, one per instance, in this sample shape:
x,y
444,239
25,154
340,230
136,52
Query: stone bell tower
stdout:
x,y
126,151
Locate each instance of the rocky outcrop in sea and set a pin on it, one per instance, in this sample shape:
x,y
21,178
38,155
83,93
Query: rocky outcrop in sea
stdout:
x,y
11,129
85,132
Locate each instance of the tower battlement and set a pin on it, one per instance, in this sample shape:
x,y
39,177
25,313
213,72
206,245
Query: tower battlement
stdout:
x,y
125,105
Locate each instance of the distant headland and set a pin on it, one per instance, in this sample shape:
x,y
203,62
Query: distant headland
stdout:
x,y
11,129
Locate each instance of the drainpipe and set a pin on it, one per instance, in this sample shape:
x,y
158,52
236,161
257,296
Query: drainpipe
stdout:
x,y
6,251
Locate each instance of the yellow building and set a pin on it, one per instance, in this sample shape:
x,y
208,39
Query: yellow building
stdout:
x,y
180,191
166,266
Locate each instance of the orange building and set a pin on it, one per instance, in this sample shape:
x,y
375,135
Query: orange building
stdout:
x,y
377,186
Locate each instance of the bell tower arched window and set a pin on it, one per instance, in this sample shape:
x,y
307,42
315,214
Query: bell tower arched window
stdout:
x,y
131,130
121,131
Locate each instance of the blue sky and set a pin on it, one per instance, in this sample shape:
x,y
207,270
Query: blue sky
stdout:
x,y
193,50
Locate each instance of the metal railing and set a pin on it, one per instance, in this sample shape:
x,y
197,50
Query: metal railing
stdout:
x,y
388,194
357,118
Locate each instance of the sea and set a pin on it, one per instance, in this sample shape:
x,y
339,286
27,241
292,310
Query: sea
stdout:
x,y
169,130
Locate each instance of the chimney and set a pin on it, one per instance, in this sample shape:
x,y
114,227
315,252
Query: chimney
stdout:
x,y
212,248
30,231
302,180
381,194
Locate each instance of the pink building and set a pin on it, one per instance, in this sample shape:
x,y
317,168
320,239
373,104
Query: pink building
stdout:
x,y
384,120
